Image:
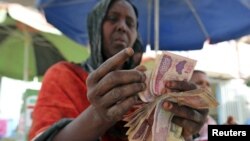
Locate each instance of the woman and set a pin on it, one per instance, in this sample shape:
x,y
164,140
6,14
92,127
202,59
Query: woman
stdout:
x,y
87,103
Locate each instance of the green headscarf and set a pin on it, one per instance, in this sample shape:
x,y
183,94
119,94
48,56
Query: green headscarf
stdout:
x,y
94,22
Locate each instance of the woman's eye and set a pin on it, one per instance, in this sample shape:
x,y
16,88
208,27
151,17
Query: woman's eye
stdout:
x,y
112,18
130,23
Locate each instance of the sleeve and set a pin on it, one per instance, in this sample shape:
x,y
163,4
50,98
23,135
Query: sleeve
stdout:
x,y
62,96
49,134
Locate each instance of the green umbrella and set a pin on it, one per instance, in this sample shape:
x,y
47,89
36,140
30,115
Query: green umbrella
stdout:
x,y
27,48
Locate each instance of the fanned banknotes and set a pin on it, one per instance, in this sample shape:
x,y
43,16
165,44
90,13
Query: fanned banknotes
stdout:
x,y
151,122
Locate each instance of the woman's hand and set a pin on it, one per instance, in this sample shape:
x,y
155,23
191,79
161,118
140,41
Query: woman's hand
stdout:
x,y
190,119
111,91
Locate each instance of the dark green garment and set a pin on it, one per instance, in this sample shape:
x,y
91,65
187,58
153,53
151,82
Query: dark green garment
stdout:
x,y
49,134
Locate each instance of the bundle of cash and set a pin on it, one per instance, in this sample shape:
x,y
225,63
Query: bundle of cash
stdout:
x,y
151,122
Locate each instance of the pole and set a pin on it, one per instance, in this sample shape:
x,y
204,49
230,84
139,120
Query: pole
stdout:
x,y
27,43
198,19
0,84
149,21
156,26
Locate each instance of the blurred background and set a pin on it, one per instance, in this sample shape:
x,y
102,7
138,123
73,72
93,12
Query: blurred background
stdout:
x,y
30,3
226,63
11,98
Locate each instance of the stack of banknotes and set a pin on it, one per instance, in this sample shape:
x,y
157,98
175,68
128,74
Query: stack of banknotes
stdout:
x,y
151,122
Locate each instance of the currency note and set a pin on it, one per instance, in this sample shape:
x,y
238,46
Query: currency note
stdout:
x,y
151,122
170,66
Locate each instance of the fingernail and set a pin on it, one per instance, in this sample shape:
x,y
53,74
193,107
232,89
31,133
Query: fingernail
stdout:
x,y
141,68
129,51
143,86
163,91
167,105
167,84
143,77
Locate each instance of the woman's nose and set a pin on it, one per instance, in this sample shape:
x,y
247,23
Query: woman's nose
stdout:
x,y
121,26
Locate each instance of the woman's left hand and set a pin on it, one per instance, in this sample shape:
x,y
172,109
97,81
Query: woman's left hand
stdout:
x,y
190,119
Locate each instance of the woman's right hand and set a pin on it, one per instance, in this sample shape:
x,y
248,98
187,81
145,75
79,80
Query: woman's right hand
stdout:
x,y
112,91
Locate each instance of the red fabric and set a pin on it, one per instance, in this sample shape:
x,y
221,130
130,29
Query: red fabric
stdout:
x,y
58,98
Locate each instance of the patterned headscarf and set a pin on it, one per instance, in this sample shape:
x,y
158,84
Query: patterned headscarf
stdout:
x,y
94,22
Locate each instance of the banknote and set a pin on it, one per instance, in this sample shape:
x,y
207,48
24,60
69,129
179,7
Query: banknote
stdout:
x,y
151,122
197,99
168,66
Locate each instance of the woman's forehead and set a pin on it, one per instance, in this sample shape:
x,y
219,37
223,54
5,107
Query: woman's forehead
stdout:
x,y
123,7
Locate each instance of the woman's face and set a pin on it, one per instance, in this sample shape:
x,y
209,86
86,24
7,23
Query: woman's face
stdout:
x,y
119,28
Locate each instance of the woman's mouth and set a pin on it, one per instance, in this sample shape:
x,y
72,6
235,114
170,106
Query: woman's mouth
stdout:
x,y
120,42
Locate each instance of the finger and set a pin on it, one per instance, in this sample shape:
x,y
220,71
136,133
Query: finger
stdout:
x,y
197,116
141,68
117,78
167,90
180,85
121,93
116,112
111,64
189,127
